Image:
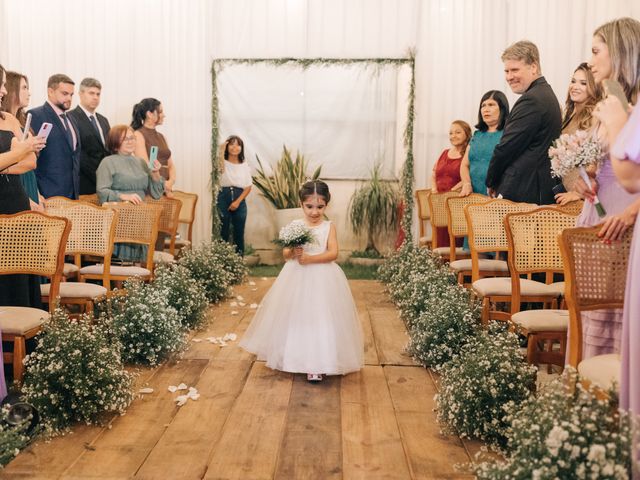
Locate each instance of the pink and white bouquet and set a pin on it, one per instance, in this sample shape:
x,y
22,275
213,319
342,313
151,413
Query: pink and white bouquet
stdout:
x,y
571,154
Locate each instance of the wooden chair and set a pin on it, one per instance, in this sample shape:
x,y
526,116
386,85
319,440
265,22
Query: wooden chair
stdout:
x,y
595,274
92,233
439,218
487,234
574,207
57,202
92,198
424,216
31,243
137,224
187,217
458,228
168,224
533,248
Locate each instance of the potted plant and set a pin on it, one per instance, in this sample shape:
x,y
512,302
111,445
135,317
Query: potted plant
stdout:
x,y
373,209
251,257
281,187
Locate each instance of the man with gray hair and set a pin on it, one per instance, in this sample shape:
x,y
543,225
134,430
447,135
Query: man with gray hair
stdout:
x,y
520,169
94,129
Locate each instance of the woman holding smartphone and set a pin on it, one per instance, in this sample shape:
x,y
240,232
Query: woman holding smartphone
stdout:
x,y
146,116
123,177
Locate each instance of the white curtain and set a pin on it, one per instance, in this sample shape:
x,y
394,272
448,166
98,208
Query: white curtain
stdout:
x,y
164,49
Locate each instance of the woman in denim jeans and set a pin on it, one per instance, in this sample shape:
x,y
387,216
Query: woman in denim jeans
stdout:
x,y
235,185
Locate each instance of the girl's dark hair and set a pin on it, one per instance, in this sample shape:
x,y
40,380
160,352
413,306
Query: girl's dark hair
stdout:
x,y
315,187
503,104
139,114
238,140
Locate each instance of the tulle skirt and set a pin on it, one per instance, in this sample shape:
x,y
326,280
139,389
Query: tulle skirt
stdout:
x,y
308,322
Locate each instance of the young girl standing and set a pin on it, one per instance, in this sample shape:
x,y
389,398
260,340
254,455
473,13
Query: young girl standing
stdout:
x,y
307,322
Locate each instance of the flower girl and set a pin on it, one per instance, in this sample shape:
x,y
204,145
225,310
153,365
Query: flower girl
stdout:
x,y
307,322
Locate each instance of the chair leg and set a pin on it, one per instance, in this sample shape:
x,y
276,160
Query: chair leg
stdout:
x,y
19,352
486,305
532,345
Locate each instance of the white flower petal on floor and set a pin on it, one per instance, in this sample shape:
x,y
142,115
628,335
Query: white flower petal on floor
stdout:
x,y
182,386
251,283
196,340
181,399
234,312
230,337
172,388
254,289
145,390
213,340
253,306
264,278
240,298
233,304
242,304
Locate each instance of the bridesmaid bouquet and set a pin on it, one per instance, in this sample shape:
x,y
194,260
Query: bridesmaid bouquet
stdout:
x,y
296,234
571,154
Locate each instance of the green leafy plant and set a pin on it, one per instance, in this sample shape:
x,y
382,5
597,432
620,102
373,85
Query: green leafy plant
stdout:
x,y
13,438
282,186
249,250
567,431
366,254
373,208
75,373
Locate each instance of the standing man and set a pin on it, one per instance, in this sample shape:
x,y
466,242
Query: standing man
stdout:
x,y
58,167
94,129
520,169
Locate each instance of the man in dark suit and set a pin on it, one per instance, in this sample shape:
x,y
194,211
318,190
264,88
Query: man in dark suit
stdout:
x,y
520,169
59,162
94,129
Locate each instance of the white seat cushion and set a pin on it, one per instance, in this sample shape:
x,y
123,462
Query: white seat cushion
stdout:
x,y
485,265
180,243
18,320
502,286
443,251
542,320
69,268
76,290
602,370
558,287
116,270
424,240
163,257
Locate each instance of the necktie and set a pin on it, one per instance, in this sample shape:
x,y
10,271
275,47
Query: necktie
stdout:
x,y
92,119
67,127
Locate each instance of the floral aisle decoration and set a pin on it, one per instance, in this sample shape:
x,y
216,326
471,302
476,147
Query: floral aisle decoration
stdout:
x,y
183,293
148,328
75,374
13,438
216,266
566,432
488,378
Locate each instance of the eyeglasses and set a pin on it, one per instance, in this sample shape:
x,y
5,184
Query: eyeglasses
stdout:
x,y
129,138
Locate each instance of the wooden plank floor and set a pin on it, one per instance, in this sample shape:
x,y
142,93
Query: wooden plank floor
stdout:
x,y
255,423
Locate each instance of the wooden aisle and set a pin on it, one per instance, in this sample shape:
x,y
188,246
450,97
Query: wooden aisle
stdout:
x,y
255,423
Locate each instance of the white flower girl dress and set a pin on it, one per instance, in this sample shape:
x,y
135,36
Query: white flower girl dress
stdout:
x,y
308,322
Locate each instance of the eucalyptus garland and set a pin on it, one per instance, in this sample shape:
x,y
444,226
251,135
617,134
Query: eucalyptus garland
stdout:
x,y
305,63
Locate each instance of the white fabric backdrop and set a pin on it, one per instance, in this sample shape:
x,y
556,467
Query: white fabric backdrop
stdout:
x,y
164,48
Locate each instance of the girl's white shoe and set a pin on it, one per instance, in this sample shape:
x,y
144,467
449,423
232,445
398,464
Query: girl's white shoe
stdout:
x,y
314,377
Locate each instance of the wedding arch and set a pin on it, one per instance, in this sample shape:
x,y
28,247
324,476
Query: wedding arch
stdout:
x,y
407,175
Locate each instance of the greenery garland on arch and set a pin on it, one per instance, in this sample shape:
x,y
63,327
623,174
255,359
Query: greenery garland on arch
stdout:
x,y
407,179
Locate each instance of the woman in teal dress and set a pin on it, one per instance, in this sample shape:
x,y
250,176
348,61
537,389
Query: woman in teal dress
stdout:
x,y
124,178
492,115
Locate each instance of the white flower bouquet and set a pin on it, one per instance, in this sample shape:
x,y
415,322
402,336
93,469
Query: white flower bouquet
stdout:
x,y
296,234
571,154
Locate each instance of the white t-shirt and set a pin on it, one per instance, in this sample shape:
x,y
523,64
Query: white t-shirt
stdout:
x,y
236,175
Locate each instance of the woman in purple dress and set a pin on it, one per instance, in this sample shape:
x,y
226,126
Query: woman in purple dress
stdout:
x,y
615,55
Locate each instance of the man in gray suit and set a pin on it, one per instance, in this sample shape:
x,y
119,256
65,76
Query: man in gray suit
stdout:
x,y
94,129
520,169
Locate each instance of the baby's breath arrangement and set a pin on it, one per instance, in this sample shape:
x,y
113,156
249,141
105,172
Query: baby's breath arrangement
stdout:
x,y
565,432
12,438
450,321
216,266
75,373
148,328
481,384
295,234
183,293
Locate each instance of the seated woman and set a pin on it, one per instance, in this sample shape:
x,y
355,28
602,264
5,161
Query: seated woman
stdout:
x,y
122,177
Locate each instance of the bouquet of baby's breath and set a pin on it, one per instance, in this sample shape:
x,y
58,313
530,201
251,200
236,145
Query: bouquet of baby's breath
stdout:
x,y
13,438
75,373
296,234
183,293
481,384
565,432
451,319
148,328
216,266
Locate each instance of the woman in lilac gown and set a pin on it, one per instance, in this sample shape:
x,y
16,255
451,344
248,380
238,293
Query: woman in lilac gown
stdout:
x,y
602,329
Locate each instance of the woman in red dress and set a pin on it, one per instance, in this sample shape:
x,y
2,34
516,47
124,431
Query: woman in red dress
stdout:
x,y
446,171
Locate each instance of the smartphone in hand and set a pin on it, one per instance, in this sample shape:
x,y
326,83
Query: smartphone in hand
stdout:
x,y
45,130
153,156
613,87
